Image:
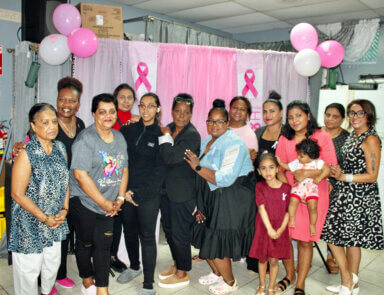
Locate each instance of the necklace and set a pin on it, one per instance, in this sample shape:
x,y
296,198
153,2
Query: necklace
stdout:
x,y
71,134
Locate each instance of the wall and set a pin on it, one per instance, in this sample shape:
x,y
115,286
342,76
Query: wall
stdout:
x,y
8,39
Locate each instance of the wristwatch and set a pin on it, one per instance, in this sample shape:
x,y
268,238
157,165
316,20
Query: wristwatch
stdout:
x,y
198,168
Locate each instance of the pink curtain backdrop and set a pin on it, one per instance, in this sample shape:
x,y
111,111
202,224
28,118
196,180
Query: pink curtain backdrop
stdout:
x,y
202,71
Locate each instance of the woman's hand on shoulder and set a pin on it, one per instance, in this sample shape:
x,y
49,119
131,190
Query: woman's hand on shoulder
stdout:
x,y
253,154
17,147
166,130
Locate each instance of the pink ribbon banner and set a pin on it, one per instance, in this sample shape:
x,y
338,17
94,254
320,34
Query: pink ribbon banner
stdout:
x,y
142,71
249,78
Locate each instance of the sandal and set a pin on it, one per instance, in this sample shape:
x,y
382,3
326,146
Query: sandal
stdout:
x,y
258,289
283,285
271,290
299,291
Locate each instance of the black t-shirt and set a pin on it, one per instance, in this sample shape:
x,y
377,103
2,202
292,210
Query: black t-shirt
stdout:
x,y
69,141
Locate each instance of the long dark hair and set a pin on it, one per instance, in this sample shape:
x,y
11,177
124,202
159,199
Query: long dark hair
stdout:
x,y
312,126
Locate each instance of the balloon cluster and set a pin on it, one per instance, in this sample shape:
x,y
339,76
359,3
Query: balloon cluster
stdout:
x,y
55,49
311,56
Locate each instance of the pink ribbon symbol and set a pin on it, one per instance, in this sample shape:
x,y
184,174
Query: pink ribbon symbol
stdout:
x,y
249,83
142,76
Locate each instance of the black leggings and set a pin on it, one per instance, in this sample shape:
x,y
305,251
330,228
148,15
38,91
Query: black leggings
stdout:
x,y
141,222
94,234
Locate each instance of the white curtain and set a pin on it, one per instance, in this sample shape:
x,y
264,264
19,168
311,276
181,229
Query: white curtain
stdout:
x,y
99,73
363,36
281,76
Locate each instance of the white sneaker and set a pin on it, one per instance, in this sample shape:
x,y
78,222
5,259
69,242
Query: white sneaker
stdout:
x,y
336,290
91,290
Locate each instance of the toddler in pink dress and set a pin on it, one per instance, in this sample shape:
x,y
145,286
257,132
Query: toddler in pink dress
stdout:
x,y
307,190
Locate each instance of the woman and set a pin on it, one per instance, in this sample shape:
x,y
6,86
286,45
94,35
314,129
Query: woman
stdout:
x,y
41,195
126,97
179,201
98,185
225,225
240,110
68,102
300,125
334,116
268,135
146,176
354,219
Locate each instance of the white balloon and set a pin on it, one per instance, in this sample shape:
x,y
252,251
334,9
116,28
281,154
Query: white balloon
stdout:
x,y
54,49
307,62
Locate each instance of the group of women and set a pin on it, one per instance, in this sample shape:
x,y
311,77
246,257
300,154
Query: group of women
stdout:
x,y
205,191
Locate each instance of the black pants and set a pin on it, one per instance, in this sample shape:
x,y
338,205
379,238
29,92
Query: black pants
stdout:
x,y
117,229
141,221
177,220
94,234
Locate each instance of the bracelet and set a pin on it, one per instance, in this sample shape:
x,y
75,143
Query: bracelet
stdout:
x,y
348,177
66,209
46,219
120,198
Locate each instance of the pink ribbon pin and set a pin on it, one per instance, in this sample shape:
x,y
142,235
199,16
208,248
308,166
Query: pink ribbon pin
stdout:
x,y
142,76
249,83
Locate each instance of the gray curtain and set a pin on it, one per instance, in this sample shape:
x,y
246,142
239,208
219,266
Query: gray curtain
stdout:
x,y
48,78
344,36
167,32
24,97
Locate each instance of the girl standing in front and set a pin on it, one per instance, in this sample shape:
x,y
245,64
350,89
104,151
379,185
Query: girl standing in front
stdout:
x,y
271,240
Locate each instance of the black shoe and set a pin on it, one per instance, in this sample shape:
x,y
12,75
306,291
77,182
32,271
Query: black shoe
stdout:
x,y
117,265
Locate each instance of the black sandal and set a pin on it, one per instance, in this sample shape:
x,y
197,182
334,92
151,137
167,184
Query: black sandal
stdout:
x,y
299,291
283,284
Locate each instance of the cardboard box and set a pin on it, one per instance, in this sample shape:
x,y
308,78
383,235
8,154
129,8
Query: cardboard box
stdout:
x,y
104,20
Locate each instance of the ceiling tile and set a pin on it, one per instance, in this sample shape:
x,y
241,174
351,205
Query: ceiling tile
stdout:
x,y
332,18
257,28
266,5
211,12
339,6
239,20
167,6
129,2
373,3
380,11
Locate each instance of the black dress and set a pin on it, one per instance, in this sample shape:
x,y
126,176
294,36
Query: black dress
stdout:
x,y
354,217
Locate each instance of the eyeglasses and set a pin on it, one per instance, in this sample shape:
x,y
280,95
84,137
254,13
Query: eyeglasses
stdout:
x,y
218,122
148,107
359,114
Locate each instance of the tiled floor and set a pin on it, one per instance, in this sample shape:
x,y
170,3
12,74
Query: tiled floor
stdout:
x,y
371,276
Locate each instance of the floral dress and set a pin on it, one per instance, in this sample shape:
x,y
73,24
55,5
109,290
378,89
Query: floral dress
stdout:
x,y
354,217
47,187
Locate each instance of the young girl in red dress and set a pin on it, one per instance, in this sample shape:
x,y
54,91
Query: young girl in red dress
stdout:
x,y
271,240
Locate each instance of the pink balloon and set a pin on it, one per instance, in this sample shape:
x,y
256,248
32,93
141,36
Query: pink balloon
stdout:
x,y
331,53
304,36
82,42
66,18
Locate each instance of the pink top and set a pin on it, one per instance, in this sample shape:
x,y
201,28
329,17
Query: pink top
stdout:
x,y
248,136
286,151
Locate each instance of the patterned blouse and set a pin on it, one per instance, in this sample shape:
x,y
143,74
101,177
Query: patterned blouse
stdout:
x,y
47,187
338,142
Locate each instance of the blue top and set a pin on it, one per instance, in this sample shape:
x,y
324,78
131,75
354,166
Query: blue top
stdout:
x,y
47,187
228,156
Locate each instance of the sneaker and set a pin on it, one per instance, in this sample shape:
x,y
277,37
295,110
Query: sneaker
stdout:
x,y
210,279
117,264
223,288
54,291
167,273
66,283
128,275
91,290
174,282
147,292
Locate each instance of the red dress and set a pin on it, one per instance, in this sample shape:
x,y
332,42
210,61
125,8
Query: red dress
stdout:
x,y
286,151
276,201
